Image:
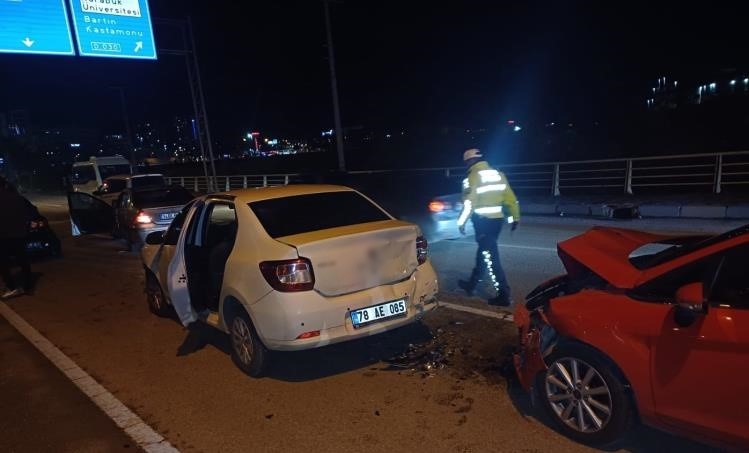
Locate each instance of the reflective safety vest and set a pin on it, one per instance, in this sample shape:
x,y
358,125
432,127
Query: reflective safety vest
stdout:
x,y
486,192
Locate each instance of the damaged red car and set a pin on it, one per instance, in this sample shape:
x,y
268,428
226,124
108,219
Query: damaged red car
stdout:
x,y
643,327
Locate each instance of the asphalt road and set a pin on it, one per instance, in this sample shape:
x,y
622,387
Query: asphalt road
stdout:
x,y
431,387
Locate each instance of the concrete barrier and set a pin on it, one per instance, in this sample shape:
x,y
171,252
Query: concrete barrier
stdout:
x,y
659,210
573,209
703,211
538,208
737,212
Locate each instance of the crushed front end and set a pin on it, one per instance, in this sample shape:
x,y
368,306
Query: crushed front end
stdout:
x,y
536,337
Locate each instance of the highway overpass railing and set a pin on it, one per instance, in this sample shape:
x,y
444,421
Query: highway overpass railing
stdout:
x,y
713,171
231,182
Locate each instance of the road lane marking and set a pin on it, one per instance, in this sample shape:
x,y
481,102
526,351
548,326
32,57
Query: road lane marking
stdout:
x,y
478,311
511,246
142,434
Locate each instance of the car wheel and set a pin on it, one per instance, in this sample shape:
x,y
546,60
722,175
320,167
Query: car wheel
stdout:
x,y
247,350
584,396
155,296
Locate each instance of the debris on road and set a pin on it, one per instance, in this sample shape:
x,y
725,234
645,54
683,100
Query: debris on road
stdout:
x,y
461,344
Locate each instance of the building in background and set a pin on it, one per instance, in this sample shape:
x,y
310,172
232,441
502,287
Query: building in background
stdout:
x,y
668,93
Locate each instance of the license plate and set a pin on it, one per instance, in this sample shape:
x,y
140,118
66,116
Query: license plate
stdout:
x,y
376,313
168,216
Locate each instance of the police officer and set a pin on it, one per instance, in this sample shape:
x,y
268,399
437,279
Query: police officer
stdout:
x,y
488,201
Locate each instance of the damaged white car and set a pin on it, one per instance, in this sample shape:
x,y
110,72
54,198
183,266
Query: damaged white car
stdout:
x,y
289,268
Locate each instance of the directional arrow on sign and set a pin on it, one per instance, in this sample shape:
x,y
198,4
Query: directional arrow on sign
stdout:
x,y
28,42
138,46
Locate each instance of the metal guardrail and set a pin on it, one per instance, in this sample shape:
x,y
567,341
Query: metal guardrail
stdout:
x,y
231,182
714,170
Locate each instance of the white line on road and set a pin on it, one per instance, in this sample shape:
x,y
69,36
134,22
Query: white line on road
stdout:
x,y
478,311
142,434
511,246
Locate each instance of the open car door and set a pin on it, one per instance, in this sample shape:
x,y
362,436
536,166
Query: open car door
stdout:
x,y
89,215
179,291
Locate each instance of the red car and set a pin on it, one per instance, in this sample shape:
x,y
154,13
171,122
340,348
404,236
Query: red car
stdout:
x,y
659,337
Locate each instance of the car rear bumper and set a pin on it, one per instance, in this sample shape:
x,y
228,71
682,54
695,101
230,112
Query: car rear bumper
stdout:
x,y
280,318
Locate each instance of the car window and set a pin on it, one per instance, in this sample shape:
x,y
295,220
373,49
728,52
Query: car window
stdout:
x,y
147,181
664,287
114,185
304,213
175,228
105,171
222,223
731,286
82,174
171,196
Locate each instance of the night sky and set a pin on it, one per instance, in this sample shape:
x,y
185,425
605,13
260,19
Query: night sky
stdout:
x,y
401,65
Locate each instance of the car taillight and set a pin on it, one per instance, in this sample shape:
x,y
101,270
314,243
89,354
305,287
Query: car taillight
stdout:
x,y
289,275
437,206
142,217
422,249
37,224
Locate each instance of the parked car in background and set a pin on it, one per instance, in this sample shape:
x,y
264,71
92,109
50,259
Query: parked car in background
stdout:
x,y
88,176
445,210
110,189
137,213
660,336
41,239
289,268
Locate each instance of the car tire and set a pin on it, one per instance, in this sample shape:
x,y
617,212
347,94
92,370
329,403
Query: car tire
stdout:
x,y
600,395
247,351
157,303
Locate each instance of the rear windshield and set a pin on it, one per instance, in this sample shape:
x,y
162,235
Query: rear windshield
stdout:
x,y
105,171
304,213
147,181
172,196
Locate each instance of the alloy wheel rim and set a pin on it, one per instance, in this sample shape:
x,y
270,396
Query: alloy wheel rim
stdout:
x,y
578,395
242,340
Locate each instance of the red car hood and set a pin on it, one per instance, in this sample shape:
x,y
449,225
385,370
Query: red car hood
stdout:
x,y
606,251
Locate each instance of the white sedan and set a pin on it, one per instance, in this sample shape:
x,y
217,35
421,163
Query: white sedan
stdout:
x,y
289,268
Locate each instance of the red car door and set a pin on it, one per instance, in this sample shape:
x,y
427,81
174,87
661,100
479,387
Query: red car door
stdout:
x,y
699,372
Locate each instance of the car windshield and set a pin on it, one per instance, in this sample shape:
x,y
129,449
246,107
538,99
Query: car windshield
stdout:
x,y
304,213
105,171
171,196
82,174
147,181
681,247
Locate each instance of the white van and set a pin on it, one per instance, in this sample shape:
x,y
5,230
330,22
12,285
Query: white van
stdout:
x,y
88,176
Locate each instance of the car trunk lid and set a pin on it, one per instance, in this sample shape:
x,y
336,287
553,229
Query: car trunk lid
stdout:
x,y
358,257
606,252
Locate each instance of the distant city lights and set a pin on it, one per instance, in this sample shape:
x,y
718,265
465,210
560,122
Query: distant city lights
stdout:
x,y
328,133
517,128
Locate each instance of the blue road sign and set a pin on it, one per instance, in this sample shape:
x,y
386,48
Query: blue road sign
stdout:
x,y
35,26
113,28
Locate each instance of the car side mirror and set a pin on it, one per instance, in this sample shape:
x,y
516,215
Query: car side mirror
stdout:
x,y
155,238
690,303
